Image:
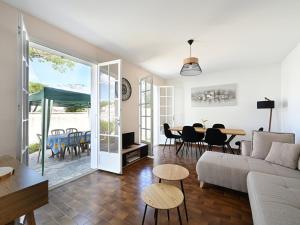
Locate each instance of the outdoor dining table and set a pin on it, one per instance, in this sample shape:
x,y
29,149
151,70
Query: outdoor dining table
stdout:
x,y
59,141
232,132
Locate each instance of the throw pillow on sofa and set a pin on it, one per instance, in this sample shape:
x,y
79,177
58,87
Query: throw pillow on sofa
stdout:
x,y
262,142
284,154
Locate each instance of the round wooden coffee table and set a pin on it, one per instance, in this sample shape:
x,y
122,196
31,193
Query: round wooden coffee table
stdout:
x,y
162,196
172,172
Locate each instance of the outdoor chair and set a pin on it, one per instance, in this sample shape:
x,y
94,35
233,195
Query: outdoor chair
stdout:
x,y
86,143
71,130
73,144
40,147
57,131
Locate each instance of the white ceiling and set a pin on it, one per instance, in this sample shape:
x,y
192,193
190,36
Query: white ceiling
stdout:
x,y
153,33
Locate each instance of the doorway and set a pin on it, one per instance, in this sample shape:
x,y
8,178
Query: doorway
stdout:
x,y
146,112
59,115
102,148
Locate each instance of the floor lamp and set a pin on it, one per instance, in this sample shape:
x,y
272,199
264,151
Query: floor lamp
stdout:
x,y
267,104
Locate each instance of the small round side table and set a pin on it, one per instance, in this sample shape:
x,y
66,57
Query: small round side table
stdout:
x,y
172,172
162,196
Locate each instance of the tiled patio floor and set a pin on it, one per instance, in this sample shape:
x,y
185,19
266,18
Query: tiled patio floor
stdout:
x,y
60,171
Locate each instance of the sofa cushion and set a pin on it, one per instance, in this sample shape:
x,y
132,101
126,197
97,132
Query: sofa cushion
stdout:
x,y
262,141
284,154
246,148
274,200
231,171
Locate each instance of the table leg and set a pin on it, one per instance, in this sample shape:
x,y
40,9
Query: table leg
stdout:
x,y
178,211
156,216
180,146
30,218
184,202
144,214
159,181
228,143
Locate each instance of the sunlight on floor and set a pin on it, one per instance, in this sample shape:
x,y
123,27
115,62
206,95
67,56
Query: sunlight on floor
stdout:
x,y
60,171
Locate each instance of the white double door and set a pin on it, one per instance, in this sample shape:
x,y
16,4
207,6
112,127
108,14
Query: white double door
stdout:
x,y
106,122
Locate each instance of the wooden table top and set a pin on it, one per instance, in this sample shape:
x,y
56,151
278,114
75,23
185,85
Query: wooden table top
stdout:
x,y
224,131
25,187
162,196
170,172
22,178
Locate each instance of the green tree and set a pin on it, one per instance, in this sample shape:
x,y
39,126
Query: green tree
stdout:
x,y
59,63
75,109
35,87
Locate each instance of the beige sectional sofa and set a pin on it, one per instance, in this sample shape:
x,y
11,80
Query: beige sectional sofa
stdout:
x,y
274,190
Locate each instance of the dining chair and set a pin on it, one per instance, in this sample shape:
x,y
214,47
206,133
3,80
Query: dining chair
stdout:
x,y
73,144
197,125
218,125
40,147
214,137
189,137
170,135
57,131
200,135
71,130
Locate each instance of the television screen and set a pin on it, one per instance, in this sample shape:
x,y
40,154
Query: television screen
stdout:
x,y
127,140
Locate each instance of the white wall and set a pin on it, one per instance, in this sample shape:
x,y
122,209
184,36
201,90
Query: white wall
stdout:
x,y
52,37
78,120
290,75
253,84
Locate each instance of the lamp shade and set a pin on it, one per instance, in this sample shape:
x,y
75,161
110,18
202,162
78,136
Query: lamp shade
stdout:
x,y
265,104
190,67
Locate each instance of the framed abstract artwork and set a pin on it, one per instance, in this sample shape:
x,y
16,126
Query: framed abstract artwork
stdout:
x,y
220,95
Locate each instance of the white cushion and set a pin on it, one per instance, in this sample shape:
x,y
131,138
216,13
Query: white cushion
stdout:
x,y
262,141
274,200
284,154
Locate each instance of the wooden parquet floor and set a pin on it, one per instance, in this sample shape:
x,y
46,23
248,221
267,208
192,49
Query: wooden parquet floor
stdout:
x,y
103,198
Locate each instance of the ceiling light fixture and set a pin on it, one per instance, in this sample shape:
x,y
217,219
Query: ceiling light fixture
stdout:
x,y
190,65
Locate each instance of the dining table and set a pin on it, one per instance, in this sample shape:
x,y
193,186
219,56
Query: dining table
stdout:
x,y
58,142
232,132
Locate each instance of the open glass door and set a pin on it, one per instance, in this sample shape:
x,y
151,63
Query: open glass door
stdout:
x,y
166,111
109,116
23,91
146,112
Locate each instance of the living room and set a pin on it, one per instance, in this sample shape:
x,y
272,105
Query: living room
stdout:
x,y
163,81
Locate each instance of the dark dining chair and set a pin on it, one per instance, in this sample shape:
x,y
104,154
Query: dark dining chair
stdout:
x,y
200,135
189,137
197,125
71,130
214,137
57,131
170,135
220,126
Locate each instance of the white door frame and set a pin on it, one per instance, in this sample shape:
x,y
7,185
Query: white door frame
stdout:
x,y
100,158
150,78
22,92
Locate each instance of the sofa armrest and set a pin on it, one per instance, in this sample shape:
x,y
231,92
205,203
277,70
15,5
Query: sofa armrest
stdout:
x,y
246,148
